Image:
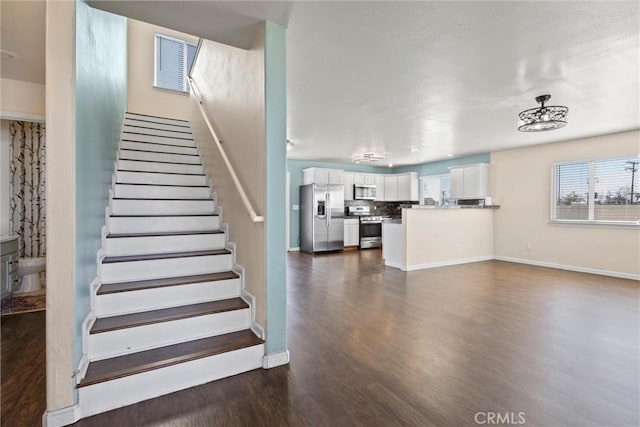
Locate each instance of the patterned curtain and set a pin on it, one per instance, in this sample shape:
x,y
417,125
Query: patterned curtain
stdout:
x,y
27,173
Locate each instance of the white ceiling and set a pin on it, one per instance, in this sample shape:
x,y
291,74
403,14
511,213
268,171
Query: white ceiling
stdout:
x,y
23,32
389,77
451,77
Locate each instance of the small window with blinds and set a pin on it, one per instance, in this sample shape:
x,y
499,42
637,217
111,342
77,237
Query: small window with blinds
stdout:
x,y
435,189
599,191
173,60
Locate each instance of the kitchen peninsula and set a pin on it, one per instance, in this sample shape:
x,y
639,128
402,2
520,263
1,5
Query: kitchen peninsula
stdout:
x,y
431,236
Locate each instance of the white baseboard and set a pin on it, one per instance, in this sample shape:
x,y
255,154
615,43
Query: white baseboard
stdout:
x,y
394,264
257,329
61,417
569,267
444,263
294,249
276,359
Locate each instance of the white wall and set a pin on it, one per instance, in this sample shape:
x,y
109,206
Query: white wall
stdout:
x,y
60,152
22,100
234,99
143,97
4,177
441,236
520,181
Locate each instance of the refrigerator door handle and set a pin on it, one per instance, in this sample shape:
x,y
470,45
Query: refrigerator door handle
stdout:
x,y
328,212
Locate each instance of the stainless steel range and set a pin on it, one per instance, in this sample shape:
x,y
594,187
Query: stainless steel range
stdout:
x,y
370,232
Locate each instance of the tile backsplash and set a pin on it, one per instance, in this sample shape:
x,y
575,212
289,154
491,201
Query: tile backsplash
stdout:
x,y
379,208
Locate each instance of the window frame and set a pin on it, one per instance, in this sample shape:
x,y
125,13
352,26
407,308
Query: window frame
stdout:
x,y
186,89
423,179
591,222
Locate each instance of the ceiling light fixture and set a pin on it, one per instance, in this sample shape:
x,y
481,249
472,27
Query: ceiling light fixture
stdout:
x,y
367,158
450,155
414,150
290,145
544,117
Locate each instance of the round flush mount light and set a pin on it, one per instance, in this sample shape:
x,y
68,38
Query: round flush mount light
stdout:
x,y
543,118
8,54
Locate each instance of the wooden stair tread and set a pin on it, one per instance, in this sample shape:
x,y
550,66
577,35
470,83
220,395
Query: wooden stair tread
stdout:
x,y
161,130
128,132
160,161
148,257
163,234
135,363
145,184
113,323
155,117
110,288
159,215
161,172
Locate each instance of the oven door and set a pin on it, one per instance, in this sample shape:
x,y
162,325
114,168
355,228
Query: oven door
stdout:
x,y
370,235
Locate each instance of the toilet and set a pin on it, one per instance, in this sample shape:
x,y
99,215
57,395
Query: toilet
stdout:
x,y
29,270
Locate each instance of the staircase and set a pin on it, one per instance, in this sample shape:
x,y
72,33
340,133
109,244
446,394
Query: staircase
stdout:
x,y
168,312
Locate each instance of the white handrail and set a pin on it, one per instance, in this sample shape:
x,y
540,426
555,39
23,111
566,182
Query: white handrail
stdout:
x,y
247,204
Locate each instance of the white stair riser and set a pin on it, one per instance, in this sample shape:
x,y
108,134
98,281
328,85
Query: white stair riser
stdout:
x,y
132,165
161,192
162,224
162,207
156,119
116,272
146,385
122,246
152,124
160,148
158,132
165,297
160,178
132,340
136,137
159,157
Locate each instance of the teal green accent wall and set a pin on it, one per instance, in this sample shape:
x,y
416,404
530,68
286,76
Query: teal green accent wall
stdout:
x,y
295,167
275,68
101,99
442,167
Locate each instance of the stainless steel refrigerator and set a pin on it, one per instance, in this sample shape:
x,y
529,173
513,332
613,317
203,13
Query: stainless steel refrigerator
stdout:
x,y
321,217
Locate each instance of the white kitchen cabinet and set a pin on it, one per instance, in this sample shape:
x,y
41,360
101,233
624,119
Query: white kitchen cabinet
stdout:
x,y
379,183
369,179
470,181
348,186
322,176
351,232
391,188
358,178
404,187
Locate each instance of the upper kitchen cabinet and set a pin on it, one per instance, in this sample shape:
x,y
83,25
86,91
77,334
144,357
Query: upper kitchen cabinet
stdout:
x,y
470,181
408,187
322,176
379,183
369,179
347,178
390,188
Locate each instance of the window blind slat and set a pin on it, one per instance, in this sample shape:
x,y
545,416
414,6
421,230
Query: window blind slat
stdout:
x,y
170,63
615,187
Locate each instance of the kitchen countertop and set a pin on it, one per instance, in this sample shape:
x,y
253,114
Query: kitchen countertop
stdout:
x,y
455,207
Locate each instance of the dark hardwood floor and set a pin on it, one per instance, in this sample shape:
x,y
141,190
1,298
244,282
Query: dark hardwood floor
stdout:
x,y
375,346
22,370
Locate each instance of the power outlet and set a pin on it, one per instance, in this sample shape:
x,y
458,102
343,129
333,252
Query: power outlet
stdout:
x,y
458,247
528,246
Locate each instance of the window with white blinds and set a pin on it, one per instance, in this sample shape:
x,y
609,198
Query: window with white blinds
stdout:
x,y
598,191
435,189
173,60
